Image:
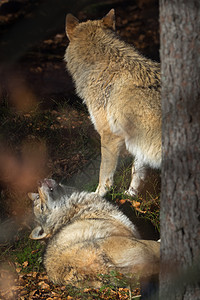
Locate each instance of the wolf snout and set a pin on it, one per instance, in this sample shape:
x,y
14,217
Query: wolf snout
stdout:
x,y
50,183
39,183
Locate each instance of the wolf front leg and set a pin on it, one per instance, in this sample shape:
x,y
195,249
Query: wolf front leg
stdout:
x,y
110,148
138,176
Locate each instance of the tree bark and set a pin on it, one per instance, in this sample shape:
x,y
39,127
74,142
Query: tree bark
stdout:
x,y
180,200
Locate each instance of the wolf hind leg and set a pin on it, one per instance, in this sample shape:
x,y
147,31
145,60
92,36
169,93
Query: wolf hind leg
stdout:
x,y
110,148
79,264
138,176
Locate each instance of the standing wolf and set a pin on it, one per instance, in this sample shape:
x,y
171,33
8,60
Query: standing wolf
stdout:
x,y
89,237
121,89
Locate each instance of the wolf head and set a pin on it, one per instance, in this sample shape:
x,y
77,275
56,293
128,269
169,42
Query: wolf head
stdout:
x,y
50,197
56,205
72,23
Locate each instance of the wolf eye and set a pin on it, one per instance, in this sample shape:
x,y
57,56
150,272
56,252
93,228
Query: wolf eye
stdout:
x,y
42,207
51,189
38,197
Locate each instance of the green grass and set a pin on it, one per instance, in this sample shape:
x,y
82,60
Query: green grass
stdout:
x,y
25,253
149,201
151,207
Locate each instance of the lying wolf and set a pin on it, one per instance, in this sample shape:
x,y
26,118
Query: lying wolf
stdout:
x,y
121,89
88,237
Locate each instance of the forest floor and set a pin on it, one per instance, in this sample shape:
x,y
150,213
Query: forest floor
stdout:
x,y
45,131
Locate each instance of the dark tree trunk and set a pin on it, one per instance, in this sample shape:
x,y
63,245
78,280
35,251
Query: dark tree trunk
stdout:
x,y
180,204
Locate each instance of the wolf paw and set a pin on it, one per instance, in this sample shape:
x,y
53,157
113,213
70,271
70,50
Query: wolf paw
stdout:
x,y
101,190
131,192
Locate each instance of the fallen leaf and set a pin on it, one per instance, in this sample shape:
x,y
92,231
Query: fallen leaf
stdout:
x,y
32,293
25,264
55,294
122,201
43,285
34,251
18,270
136,204
141,211
43,276
34,274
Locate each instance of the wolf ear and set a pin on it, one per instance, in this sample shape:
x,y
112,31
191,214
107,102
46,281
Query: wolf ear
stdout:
x,y
71,23
33,196
37,233
109,19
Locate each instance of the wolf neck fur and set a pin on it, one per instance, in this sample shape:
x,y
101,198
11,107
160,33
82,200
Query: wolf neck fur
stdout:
x,y
80,206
